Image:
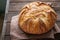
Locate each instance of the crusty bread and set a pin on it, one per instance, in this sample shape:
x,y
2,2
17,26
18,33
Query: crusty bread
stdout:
x,y
37,18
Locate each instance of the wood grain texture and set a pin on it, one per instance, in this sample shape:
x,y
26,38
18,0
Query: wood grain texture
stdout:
x,y
10,15
18,6
7,38
7,32
32,0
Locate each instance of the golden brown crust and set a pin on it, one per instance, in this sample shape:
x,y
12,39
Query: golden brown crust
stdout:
x,y
37,18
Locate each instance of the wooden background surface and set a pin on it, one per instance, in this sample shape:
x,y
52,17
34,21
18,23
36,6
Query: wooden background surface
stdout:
x,y
15,7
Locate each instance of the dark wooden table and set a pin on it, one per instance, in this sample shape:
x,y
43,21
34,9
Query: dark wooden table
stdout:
x,y
13,8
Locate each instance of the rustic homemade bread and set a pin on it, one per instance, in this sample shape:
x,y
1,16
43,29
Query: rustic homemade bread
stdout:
x,y
37,18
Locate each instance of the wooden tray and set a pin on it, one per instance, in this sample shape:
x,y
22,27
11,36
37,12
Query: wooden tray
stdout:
x,y
13,8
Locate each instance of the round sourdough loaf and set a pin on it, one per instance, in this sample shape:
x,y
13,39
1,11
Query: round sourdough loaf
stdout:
x,y
37,18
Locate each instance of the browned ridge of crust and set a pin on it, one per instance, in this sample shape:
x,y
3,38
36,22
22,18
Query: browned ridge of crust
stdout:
x,y
37,18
